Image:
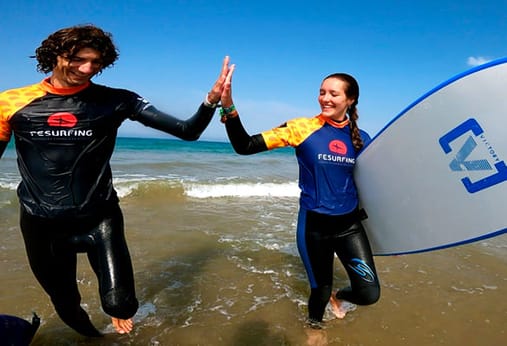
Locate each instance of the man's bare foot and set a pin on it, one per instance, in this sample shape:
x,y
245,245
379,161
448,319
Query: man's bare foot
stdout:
x,y
340,307
122,326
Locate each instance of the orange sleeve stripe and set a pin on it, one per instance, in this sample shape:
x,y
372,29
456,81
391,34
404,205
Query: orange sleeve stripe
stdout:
x,y
293,133
12,101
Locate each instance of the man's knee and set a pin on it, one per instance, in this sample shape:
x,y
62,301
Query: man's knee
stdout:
x,y
120,304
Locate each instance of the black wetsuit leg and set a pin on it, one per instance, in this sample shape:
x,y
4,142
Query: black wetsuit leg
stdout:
x,y
56,272
319,237
354,251
52,246
110,259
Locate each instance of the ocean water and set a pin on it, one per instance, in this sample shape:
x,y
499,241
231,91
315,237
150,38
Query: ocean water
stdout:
x,y
212,240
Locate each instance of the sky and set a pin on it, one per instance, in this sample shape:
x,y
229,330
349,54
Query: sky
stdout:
x,y
171,51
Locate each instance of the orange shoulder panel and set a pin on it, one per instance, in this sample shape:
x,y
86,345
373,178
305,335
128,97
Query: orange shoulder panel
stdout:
x,y
292,133
13,100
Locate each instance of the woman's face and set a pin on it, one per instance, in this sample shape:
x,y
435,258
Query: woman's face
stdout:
x,y
333,100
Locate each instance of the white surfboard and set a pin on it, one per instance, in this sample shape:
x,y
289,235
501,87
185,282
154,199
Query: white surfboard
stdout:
x,y
436,176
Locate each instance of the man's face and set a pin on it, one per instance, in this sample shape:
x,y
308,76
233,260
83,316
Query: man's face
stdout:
x,y
73,71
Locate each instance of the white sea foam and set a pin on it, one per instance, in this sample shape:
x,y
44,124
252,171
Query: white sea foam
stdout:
x,y
125,190
9,185
127,184
242,190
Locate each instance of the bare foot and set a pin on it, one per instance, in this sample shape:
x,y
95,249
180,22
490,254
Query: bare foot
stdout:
x,y
122,326
340,307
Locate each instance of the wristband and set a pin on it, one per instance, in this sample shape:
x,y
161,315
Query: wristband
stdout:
x,y
207,103
228,113
227,110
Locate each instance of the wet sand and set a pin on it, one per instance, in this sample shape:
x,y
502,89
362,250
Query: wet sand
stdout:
x,y
202,279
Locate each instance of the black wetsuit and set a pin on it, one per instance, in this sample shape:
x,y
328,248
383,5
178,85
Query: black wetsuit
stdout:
x,y
64,141
329,221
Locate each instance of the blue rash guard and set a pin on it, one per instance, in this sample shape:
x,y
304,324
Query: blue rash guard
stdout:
x,y
325,155
326,160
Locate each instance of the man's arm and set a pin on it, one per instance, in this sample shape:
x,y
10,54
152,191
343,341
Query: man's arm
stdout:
x,y
192,128
189,130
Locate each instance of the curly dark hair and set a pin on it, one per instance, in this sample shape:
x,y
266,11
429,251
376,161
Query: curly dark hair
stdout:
x,y
68,41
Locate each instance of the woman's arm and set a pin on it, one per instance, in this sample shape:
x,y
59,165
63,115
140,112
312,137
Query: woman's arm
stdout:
x,y
241,141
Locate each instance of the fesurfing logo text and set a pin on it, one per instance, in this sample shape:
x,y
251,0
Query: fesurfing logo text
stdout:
x,y
62,126
476,156
339,148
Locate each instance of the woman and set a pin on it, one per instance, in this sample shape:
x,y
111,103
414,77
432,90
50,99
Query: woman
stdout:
x,y
329,219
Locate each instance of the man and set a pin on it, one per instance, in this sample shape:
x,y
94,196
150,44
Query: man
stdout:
x,y
65,129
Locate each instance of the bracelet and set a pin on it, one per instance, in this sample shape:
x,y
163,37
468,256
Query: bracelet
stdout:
x,y
227,110
224,118
207,103
228,113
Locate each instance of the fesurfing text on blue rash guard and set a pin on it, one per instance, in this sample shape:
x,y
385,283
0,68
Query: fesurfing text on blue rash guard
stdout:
x,y
65,138
326,158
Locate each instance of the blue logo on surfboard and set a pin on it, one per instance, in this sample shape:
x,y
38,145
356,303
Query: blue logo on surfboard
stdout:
x,y
474,155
